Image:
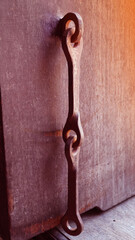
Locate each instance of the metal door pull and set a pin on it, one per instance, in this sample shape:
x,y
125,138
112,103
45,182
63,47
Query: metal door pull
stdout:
x,y
72,44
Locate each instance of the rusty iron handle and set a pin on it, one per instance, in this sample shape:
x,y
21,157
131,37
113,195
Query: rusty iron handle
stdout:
x,y
72,44
72,215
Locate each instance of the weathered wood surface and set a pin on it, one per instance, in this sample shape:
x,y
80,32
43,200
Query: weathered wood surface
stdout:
x,y
34,101
4,218
115,224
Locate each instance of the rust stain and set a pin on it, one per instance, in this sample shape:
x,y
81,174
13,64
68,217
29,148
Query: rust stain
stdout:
x,y
34,228
86,208
57,133
10,202
41,227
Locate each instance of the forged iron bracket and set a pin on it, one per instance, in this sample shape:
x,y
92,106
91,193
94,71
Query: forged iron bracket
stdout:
x,y
72,44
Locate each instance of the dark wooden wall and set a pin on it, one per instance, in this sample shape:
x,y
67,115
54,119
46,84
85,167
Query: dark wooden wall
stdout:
x,y
4,218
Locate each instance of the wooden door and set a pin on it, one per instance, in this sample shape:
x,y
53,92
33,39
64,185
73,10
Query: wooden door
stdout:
x,y
34,95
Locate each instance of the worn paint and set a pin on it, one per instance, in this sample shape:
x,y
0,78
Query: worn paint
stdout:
x,y
41,227
10,202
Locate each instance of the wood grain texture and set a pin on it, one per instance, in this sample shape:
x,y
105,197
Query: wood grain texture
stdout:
x,y
114,224
34,99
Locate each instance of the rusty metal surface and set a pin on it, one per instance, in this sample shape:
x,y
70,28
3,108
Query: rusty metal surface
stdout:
x,y
34,106
72,44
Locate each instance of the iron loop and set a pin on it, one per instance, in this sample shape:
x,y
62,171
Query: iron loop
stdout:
x,y
65,21
73,123
76,220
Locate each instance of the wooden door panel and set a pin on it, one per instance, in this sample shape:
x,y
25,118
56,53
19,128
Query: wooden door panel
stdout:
x,y
34,107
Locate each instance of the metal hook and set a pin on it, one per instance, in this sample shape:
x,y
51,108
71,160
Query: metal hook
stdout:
x,y
72,44
64,24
